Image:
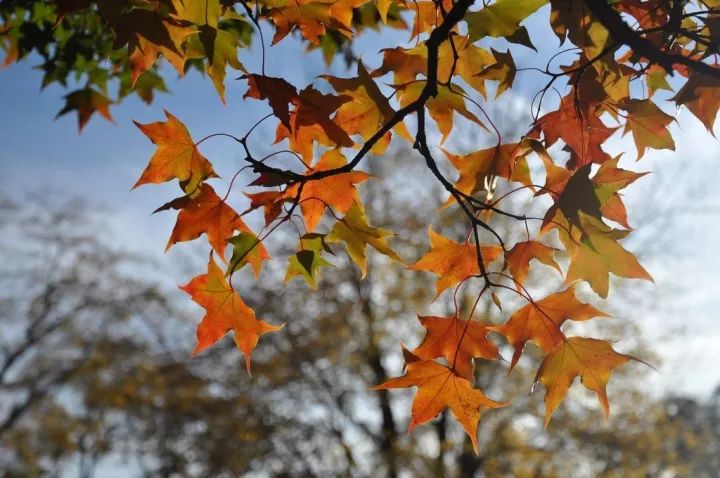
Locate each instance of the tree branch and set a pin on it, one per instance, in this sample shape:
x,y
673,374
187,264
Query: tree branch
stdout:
x,y
621,31
437,37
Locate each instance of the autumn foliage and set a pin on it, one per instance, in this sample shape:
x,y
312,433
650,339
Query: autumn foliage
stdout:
x,y
630,62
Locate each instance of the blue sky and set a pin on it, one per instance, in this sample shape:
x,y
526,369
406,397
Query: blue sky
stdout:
x,y
43,155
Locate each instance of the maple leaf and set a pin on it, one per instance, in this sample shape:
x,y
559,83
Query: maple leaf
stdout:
x,y
274,178
176,156
648,124
540,322
656,79
596,196
427,16
145,87
449,100
519,257
148,35
337,191
368,110
225,312
407,63
608,181
220,48
86,102
502,70
279,93
591,359
475,168
470,60
452,261
646,13
317,123
440,388
270,201
575,191
566,21
614,209
556,177
310,122
577,196
144,54
579,128
501,18
204,12
247,249
308,259
311,17
205,214
459,341
404,63
383,6
700,96
357,234
598,254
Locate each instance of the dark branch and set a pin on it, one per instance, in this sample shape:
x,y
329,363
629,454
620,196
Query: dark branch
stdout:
x,y
621,31
437,37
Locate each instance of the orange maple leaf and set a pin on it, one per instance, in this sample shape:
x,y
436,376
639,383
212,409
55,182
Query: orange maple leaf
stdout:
x,y
368,110
440,388
310,122
144,53
700,96
176,156
225,311
442,107
579,128
591,359
502,70
148,35
471,59
270,201
459,341
519,257
540,322
503,160
404,63
337,191
312,17
205,214
452,261
427,15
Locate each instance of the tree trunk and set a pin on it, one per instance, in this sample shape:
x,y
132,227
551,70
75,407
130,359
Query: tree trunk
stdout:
x,y
388,432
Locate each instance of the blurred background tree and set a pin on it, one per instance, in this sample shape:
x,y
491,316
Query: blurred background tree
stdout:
x,y
95,378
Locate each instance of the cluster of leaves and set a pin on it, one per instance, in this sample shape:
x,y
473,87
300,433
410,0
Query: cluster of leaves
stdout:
x,y
666,48
106,50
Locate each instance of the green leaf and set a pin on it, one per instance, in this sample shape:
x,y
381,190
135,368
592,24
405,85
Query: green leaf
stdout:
x,y
220,48
247,249
357,234
308,259
501,19
199,12
86,102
